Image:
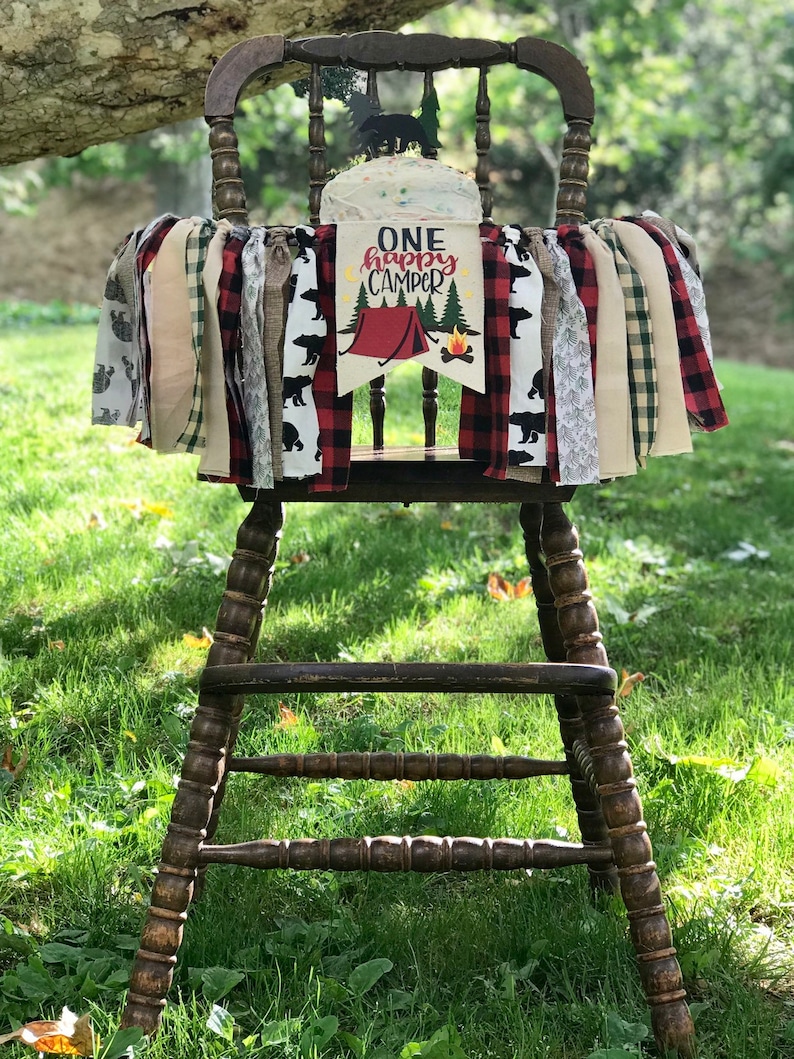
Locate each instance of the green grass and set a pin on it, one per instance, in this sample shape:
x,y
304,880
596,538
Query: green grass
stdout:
x,y
97,686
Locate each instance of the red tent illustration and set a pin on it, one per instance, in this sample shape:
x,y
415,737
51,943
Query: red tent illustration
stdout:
x,y
389,333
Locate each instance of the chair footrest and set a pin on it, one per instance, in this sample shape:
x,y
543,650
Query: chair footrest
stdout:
x,y
426,853
382,765
553,678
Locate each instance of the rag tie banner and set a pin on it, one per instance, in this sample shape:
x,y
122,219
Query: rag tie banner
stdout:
x,y
581,350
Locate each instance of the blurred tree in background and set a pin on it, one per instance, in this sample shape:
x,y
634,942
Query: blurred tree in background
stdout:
x,y
695,118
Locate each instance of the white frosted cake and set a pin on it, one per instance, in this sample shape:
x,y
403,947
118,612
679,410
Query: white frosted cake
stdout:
x,y
404,188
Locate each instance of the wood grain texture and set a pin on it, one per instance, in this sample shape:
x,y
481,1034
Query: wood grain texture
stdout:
x,y
495,678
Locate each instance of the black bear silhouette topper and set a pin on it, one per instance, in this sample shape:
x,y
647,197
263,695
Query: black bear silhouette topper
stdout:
x,y
396,132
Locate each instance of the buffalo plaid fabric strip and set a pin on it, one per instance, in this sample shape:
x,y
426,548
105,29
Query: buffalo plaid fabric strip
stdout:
x,y
150,243
701,393
334,414
229,298
639,333
584,277
195,255
483,431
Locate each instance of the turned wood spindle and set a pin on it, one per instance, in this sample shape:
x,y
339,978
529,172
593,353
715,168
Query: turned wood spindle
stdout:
x,y
572,189
228,191
377,410
588,810
482,143
373,97
318,173
620,803
430,405
247,585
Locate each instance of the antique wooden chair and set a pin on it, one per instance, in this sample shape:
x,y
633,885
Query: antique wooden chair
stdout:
x,y
615,845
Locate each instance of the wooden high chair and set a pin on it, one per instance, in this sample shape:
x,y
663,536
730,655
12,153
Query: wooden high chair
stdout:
x,y
615,845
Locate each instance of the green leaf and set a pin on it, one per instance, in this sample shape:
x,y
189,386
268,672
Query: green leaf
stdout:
x,y
216,982
55,952
279,1032
620,1032
355,1044
765,772
221,1022
364,977
129,1042
318,1034
498,747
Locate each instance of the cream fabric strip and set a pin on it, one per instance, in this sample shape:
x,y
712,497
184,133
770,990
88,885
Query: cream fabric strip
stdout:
x,y
577,441
215,456
173,363
612,398
278,266
672,426
255,392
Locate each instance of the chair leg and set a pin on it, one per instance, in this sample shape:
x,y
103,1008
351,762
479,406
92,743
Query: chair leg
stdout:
x,y
247,585
606,758
588,809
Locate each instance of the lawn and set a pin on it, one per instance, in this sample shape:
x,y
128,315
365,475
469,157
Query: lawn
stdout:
x,y
110,570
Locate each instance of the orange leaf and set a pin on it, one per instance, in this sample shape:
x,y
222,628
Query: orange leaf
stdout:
x,y
68,1035
502,589
446,525
300,557
627,682
288,718
56,645
203,641
96,521
7,764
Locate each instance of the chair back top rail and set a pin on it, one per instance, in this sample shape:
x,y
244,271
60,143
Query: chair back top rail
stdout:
x,y
379,50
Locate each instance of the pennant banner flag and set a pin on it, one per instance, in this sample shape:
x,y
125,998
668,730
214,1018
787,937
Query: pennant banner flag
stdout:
x,y
410,292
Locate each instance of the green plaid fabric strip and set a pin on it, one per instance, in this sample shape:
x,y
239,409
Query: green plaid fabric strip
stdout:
x,y
639,332
192,437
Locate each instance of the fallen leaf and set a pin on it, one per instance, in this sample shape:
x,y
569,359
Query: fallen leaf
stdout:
x,y
7,764
203,641
96,521
131,735
56,645
627,682
141,507
502,589
300,557
287,718
69,1035
446,525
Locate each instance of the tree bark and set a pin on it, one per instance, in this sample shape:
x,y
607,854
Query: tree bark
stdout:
x,y
73,74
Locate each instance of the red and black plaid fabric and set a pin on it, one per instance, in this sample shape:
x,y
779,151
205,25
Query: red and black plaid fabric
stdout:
x,y
230,288
144,255
701,394
334,414
484,417
584,277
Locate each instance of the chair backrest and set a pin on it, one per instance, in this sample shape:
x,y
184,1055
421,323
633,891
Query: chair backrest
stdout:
x,y
373,52
377,51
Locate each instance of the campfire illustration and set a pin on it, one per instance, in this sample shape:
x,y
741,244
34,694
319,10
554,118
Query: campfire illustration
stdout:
x,y
458,348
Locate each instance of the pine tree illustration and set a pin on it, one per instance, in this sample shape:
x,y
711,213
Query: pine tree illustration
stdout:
x,y
384,304
361,303
453,312
401,297
427,314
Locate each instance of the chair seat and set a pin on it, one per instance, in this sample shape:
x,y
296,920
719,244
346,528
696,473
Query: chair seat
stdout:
x,y
406,475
